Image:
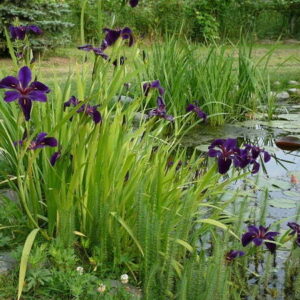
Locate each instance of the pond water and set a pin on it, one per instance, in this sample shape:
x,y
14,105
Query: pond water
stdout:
x,y
283,204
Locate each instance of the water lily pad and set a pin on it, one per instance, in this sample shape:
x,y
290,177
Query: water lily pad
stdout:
x,y
274,184
283,203
289,117
203,148
292,194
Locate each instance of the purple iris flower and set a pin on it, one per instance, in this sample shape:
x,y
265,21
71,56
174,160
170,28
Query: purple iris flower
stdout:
x,y
41,141
120,61
295,231
160,111
196,109
55,156
153,85
85,108
258,235
226,153
248,156
232,254
113,35
97,51
23,91
19,32
133,3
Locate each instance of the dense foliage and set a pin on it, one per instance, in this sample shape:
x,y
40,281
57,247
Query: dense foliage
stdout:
x,y
50,16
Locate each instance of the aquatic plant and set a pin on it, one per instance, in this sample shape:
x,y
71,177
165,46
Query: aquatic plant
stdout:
x,y
194,108
161,111
41,141
22,90
85,108
227,151
233,254
258,235
19,32
295,231
97,51
112,35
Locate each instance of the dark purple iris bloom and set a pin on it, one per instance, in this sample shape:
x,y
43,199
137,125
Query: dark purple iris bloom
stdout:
x,y
55,156
41,141
133,3
196,109
160,111
85,108
113,35
120,61
258,235
153,85
226,153
248,156
19,32
97,51
295,231
23,91
232,254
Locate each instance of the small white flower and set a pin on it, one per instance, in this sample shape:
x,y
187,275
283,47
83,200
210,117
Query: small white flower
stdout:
x,y
124,278
101,288
80,270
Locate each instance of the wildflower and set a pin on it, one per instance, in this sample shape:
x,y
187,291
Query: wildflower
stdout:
x,y
85,108
258,235
19,32
113,35
124,278
55,156
41,141
248,156
23,91
153,85
133,3
226,154
295,231
197,110
119,61
97,51
232,254
101,288
80,270
160,111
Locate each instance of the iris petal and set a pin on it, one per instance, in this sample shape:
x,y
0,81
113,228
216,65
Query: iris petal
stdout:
x,y
24,76
223,164
37,96
26,105
9,82
36,85
247,238
11,96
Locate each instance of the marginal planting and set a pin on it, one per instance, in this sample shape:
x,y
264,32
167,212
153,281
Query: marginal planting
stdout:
x,y
108,190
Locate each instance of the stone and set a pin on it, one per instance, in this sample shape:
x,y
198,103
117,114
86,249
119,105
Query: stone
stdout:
x,y
293,82
7,263
283,96
277,83
122,99
9,194
294,91
139,116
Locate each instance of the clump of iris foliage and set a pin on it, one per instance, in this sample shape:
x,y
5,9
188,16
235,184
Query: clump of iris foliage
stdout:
x,y
96,179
